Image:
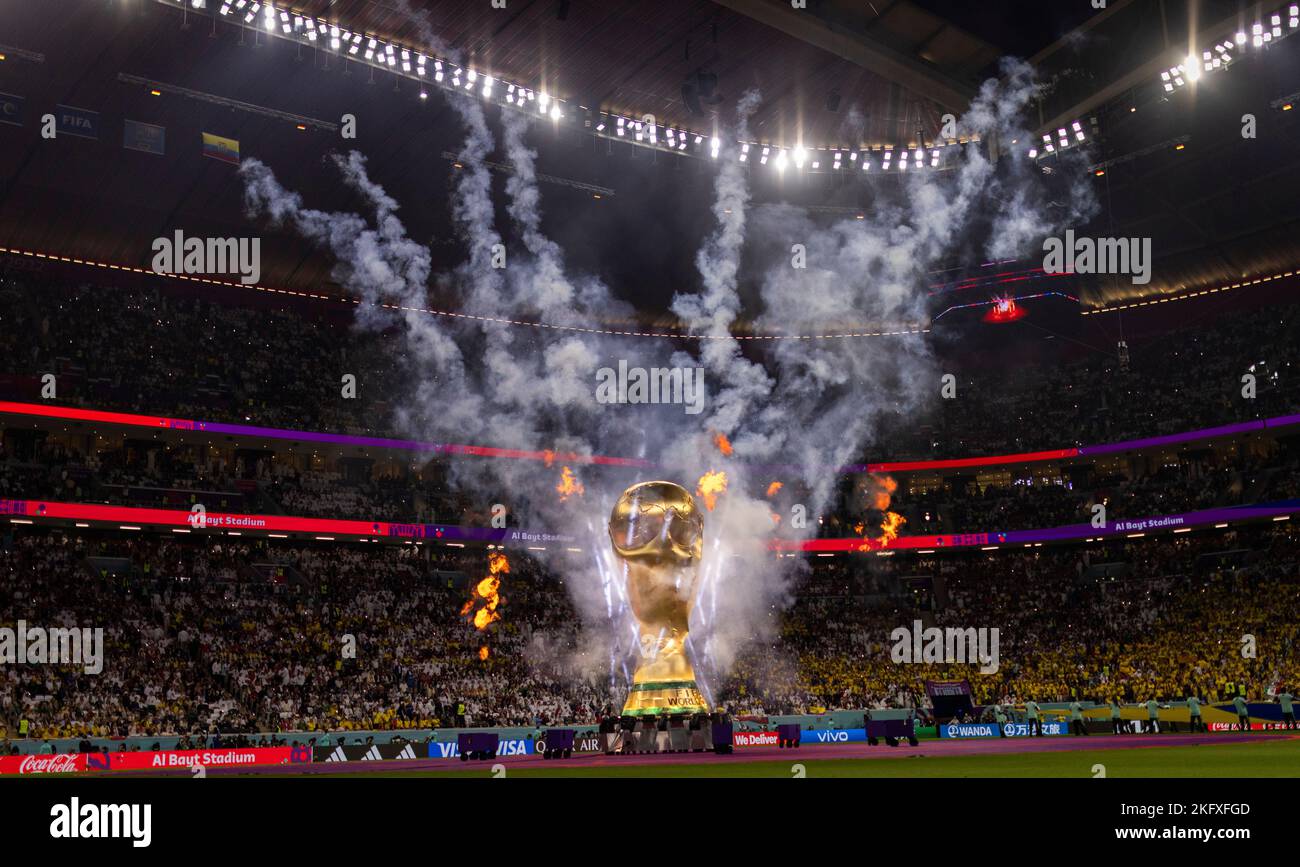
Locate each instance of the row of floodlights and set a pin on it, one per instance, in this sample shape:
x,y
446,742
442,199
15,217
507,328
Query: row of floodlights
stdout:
x,y
373,50
1063,139
1261,34
780,158
376,51
386,54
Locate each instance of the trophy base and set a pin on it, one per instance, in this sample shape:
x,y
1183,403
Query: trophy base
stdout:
x,y
664,697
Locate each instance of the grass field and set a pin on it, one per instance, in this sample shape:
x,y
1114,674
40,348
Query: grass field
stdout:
x,y
1266,758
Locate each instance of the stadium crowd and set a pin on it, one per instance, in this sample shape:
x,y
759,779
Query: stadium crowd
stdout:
x,y
180,475
254,636
216,634
1131,620
250,637
230,366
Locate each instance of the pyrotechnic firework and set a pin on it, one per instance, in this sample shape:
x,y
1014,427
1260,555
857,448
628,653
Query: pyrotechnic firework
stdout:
x,y
569,485
710,486
881,491
482,609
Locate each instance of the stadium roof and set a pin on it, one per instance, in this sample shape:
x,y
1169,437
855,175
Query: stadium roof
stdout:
x,y
840,73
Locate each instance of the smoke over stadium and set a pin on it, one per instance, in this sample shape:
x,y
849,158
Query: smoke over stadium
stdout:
x,y
800,403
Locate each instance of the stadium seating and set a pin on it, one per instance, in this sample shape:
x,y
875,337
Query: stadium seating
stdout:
x,y
245,635
211,634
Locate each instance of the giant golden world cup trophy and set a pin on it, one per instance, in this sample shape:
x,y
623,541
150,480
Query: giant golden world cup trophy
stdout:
x,y
658,535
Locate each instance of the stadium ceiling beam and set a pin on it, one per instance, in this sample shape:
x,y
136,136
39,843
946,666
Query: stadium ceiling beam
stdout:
x,y
864,51
227,102
457,160
1144,74
15,51
1069,39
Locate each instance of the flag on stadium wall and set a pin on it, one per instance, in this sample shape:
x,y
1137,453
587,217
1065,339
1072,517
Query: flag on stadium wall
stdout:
x,y
219,148
145,137
80,122
11,109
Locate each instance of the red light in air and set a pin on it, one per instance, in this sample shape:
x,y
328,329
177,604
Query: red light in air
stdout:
x,y
1004,310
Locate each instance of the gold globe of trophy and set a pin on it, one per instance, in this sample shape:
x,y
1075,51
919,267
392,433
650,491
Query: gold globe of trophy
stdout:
x,y
658,534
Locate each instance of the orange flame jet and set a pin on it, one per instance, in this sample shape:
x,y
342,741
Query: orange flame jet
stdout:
x,y
710,486
488,590
569,485
881,497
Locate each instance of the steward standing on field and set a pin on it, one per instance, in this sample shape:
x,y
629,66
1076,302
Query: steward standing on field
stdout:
x,y
1035,725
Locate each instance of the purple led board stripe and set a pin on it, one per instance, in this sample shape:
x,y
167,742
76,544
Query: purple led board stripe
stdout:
x,y
1150,523
317,436
385,443
1170,439
104,417
1282,421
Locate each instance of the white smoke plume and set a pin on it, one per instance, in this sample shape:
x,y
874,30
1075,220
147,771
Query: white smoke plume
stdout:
x,y
795,410
472,198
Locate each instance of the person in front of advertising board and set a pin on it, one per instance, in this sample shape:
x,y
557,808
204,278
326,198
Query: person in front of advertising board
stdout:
x,y
1076,718
1035,724
1243,712
1116,716
1194,714
1287,702
1153,716
1000,717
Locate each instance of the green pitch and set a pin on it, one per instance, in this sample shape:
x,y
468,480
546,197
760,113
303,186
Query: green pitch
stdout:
x,y
1269,757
